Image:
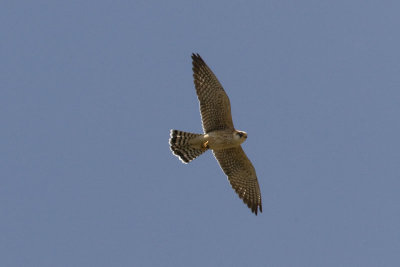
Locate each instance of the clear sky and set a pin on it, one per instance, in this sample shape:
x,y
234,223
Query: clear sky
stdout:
x,y
90,89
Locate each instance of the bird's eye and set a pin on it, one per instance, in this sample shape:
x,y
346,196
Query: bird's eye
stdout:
x,y
240,134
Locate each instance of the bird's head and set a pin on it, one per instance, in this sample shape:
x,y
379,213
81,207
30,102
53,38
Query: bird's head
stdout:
x,y
240,135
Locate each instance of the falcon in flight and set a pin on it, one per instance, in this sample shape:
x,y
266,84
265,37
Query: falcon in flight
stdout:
x,y
219,135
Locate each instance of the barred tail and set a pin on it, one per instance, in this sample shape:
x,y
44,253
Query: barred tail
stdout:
x,y
179,142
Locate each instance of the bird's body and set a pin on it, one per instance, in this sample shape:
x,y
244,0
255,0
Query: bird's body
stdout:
x,y
219,136
219,139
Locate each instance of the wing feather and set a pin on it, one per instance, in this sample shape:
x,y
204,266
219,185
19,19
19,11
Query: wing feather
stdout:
x,y
241,175
215,107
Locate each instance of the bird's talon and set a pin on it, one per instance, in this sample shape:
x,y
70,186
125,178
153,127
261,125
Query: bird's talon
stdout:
x,y
205,145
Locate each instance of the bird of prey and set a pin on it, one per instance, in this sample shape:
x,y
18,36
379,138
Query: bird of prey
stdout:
x,y
219,135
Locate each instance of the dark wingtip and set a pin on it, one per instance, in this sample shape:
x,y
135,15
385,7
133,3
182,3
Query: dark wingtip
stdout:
x,y
254,207
197,58
197,63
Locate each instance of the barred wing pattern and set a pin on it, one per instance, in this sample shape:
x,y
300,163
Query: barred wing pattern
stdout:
x,y
241,175
215,107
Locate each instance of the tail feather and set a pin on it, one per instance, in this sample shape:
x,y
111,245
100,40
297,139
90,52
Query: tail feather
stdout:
x,y
179,142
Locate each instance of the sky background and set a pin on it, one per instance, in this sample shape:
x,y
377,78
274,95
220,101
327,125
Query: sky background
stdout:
x,y
90,89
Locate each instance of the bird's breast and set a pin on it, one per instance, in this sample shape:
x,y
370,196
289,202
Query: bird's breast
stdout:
x,y
221,139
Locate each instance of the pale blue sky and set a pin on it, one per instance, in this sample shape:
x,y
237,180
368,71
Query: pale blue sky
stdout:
x,y
89,92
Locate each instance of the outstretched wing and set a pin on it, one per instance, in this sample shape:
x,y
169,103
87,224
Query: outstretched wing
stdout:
x,y
241,175
215,107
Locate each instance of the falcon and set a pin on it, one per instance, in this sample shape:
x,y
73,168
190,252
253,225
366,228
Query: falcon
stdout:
x,y
219,135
